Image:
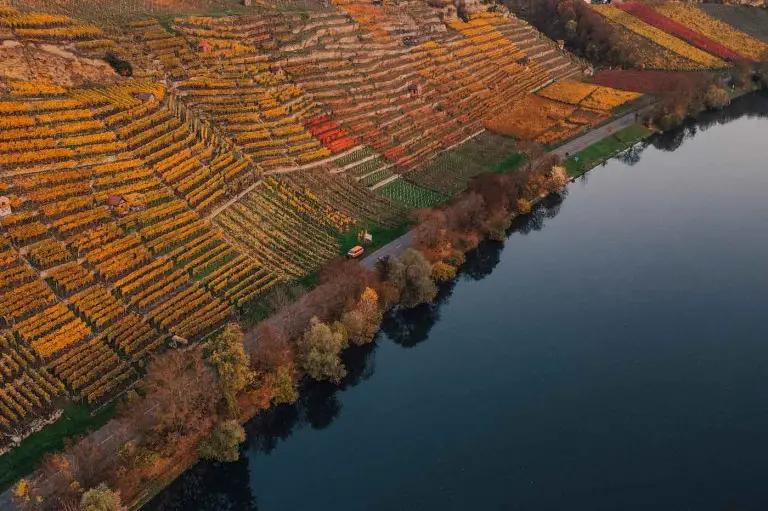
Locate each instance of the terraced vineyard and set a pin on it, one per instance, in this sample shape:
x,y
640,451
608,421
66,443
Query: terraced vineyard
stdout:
x,y
90,288
657,33
561,110
231,153
411,195
741,44
700,35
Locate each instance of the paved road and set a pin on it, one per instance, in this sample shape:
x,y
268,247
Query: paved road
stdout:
x,y
393,248
594,136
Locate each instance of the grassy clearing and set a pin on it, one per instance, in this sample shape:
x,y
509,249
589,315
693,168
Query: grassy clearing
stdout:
x,y
260,309
76,420
508,164
381,236
608,147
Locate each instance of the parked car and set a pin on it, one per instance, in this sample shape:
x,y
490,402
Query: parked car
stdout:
x,y
355,252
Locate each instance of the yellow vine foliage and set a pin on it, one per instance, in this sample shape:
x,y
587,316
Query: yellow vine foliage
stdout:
x,y
659,37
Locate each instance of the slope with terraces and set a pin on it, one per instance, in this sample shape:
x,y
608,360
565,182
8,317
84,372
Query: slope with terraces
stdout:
x,y
235,158
361,66
92,289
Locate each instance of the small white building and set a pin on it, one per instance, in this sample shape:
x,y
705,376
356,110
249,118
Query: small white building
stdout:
x,y
5,206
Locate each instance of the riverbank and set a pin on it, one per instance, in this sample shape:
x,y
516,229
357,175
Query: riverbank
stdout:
x,y
394,248
548,411
161,482
594,154
583,161
399,245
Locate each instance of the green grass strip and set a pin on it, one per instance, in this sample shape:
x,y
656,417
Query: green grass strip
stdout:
x,y
75,420
601,151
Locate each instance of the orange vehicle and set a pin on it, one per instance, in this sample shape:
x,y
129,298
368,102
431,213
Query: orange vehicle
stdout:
x,y
355,252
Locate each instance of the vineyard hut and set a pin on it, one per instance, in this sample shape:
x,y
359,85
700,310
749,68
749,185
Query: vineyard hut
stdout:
x,y
134,202
5,206
124,204
114,200
146,96
247,3
117,203
177,341
415,89
205,47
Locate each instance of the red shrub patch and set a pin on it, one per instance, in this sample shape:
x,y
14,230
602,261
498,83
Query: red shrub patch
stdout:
x,y
330,133
652,82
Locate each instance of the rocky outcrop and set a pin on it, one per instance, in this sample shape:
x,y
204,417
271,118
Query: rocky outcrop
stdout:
x,y
466,8
50,64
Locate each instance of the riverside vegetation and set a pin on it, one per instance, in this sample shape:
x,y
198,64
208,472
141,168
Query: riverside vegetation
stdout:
x,y
192,401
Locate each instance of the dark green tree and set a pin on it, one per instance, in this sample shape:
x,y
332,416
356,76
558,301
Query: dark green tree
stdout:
x,y
411,273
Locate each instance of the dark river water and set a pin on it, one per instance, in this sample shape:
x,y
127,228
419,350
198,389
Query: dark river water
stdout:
x,y
612,354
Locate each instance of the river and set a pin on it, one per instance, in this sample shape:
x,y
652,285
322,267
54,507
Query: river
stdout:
x,y
612,354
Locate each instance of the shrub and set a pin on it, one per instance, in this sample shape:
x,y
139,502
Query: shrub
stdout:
x,y
317,351
455,258
497,228
224,442
284,386
411,273
232,365
443,271
716,97
121,67
100,498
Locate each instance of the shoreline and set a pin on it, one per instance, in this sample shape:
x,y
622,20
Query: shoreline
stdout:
x,y
573,226
393,248
396,247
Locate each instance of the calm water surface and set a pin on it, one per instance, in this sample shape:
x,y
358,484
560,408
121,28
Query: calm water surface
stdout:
x,y
611,355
